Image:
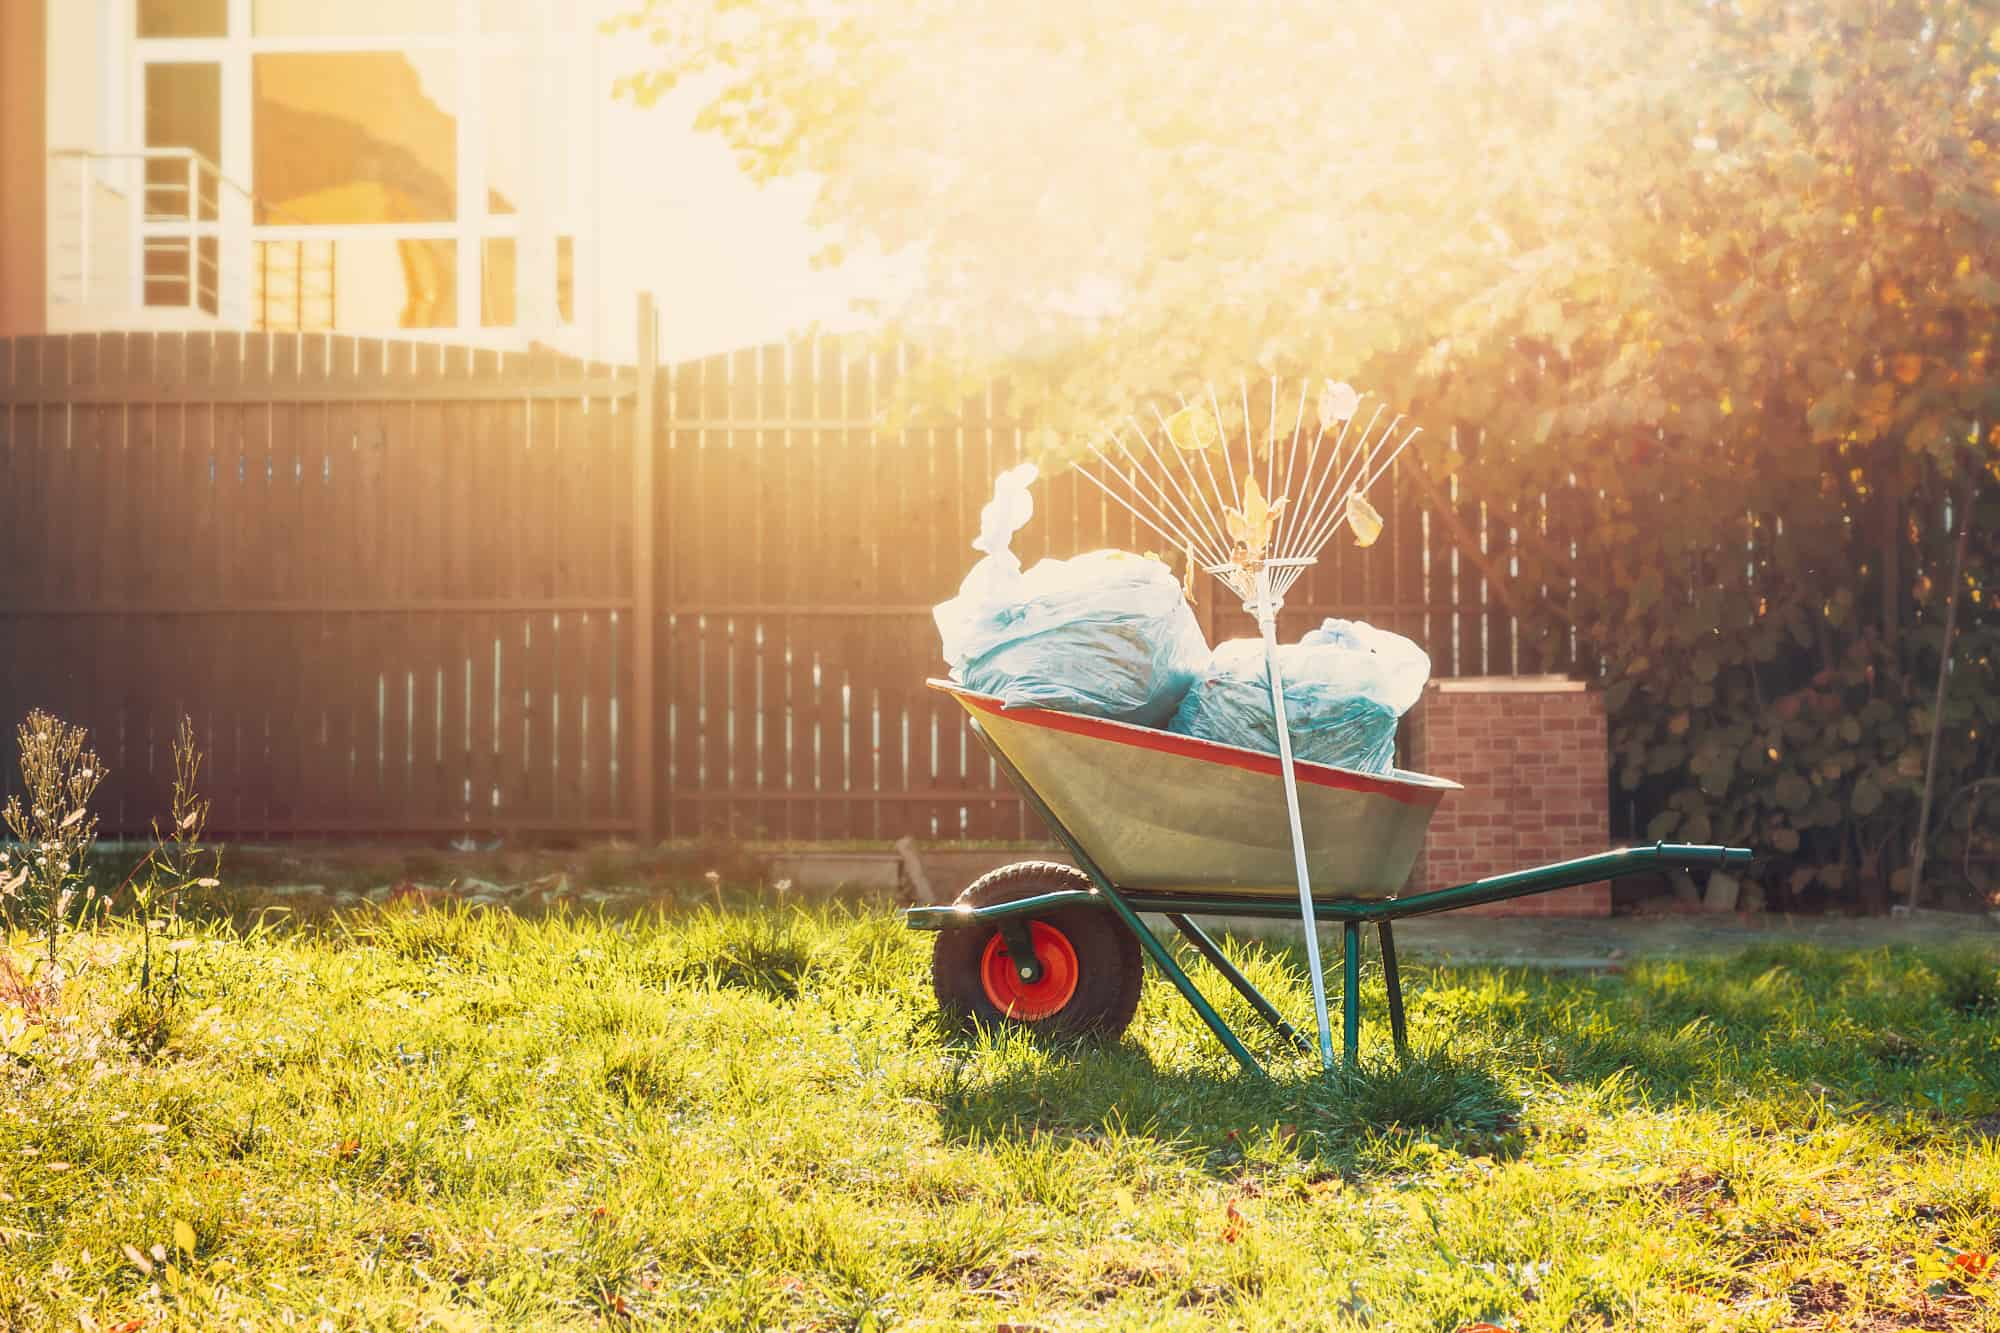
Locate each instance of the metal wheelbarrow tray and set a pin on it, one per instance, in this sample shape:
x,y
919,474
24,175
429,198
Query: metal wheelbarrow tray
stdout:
x,y
1158,822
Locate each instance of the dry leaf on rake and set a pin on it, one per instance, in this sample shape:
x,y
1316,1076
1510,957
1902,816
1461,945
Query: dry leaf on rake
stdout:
x,y
1337,402
1251,525
1187,575
1362,520
1193,429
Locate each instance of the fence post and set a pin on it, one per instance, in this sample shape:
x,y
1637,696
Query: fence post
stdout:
x,y
645,612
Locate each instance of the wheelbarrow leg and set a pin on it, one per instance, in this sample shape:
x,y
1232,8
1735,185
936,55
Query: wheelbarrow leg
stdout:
x,y
1165,962
1394,983
1350,999
1206,946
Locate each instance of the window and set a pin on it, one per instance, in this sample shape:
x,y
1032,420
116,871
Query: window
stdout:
x,y
183,110
183,271
356,136
498,283
507,100
183,18
390,282
353,18
292,285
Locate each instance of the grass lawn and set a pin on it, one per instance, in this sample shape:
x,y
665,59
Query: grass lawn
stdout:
x,y
460,1120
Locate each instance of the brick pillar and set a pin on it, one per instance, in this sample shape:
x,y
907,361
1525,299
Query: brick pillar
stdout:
x,y
1533,756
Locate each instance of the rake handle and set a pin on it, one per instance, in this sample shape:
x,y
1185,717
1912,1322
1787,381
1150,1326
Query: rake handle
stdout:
x,y
1266,611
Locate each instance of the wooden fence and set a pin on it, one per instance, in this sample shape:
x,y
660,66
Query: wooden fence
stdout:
x,y
413,590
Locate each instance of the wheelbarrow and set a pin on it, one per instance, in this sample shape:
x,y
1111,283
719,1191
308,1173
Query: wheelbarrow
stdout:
x,y
1174,825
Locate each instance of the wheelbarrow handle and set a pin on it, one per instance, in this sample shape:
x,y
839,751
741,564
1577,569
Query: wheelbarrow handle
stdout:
x,y
1703,854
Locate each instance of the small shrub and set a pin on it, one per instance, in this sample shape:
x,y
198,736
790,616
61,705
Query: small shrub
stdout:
x,y
179,864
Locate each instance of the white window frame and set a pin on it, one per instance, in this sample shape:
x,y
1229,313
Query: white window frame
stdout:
x,y
532,226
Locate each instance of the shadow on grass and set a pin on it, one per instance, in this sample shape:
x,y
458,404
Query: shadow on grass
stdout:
x,y
1088,1090
1893,1034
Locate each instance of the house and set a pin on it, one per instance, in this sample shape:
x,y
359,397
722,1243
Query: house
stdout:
x,y
416,168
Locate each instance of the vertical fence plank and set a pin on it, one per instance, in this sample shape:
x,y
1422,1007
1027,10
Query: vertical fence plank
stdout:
x,y
164,534
255,577
293,717
484,575
86,523
349,685
16,453
802,632
429,551
709,558
629,753
313,577
683,532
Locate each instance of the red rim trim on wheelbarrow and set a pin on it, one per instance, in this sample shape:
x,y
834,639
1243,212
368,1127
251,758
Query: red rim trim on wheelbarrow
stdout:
x,y
1428,792
1024,1000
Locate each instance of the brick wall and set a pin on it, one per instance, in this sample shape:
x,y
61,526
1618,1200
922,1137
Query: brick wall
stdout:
x,y
1531,752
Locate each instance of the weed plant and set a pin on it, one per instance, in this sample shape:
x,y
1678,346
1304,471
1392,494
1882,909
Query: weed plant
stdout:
x,y
178,866
42,876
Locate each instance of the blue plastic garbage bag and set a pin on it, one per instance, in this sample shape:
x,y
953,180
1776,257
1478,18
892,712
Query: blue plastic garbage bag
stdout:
x,y
1346,684
1108,633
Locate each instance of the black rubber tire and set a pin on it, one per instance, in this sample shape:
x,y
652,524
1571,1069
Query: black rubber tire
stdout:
x,y
1109,963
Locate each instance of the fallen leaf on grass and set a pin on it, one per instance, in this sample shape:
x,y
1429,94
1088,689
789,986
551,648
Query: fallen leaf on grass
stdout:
x,y
139,1261
1232,1225
1972,1265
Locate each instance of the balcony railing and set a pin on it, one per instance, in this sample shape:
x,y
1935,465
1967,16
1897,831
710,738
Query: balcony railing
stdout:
x,y
155,236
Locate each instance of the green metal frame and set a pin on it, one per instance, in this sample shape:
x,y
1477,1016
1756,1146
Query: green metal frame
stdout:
x,y
1352,914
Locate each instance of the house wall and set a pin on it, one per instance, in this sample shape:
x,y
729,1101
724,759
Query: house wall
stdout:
x,y
1531,752
23,152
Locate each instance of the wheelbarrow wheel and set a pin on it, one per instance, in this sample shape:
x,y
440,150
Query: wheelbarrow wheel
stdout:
x,y
1091,966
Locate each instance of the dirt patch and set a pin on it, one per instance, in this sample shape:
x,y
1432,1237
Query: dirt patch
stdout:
x,y
1697,1191
1819,1296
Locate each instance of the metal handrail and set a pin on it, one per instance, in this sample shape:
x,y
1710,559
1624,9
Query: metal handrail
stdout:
x,y
174,220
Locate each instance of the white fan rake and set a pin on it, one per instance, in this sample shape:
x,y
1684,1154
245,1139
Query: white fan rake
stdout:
x,y
1194,480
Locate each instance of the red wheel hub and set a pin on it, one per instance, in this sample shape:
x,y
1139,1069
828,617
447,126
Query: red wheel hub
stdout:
x,y
1030,1000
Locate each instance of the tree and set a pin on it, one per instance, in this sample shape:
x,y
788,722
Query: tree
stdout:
x,y
1697,297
